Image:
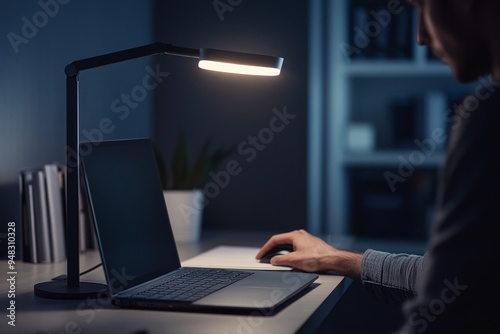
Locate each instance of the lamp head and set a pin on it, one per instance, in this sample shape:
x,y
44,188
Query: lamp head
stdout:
x,y
239,62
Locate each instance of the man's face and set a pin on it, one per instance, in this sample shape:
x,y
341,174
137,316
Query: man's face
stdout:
x,y
450,28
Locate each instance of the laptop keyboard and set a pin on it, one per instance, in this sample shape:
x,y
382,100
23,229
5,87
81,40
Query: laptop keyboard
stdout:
x,y
192,284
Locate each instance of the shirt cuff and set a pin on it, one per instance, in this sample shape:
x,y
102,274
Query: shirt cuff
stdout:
x,y
372,265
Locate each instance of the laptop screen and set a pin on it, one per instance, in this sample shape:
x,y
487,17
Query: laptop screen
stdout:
x,y
129,212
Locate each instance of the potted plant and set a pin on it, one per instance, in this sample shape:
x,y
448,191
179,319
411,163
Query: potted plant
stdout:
x,y
182,183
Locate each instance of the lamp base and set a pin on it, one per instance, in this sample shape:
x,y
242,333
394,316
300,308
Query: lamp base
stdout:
x,y
61,290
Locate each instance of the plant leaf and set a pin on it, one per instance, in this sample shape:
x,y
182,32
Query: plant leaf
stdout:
x,y
182,177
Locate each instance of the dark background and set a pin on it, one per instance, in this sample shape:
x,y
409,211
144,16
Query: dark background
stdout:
x,y
269,193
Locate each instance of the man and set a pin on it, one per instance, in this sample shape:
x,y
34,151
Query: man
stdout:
x,y
450,289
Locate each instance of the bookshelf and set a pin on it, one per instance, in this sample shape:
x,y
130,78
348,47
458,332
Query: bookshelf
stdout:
x,y
384,110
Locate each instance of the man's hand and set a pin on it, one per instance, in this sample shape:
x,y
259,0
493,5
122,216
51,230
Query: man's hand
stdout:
x,y
312,254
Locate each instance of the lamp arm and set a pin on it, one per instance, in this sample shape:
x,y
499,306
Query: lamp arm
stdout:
x,y
72,137
128,54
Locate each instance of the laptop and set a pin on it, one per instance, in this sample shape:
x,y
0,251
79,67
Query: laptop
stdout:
x,y
138,250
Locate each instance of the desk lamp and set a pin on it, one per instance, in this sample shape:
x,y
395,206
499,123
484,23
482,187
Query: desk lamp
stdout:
x,y
209,59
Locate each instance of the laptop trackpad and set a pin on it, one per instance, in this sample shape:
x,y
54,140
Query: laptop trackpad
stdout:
x,y
262,290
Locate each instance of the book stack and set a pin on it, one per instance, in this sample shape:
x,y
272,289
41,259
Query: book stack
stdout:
x,y
406,117
421,118
377,212
379,31
42,199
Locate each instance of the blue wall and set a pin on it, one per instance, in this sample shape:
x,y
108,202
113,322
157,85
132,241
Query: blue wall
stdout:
x,y
39,38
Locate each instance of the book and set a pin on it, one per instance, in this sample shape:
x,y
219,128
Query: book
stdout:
x,y
28,235
54,182
42,229
402,34
435,104
376,33
406,117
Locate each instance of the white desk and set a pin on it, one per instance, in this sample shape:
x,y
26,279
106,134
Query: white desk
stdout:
x,y
39,315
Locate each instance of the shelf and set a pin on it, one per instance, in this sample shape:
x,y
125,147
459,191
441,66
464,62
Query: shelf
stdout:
x,y
393,158
395,68
360,87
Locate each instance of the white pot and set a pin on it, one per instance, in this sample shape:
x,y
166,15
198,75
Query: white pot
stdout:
x,y
185,210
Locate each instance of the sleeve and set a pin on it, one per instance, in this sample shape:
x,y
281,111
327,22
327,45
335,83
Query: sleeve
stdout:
x,y
391,277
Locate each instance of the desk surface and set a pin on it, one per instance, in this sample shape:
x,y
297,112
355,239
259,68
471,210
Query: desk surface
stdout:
x,y
39,315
